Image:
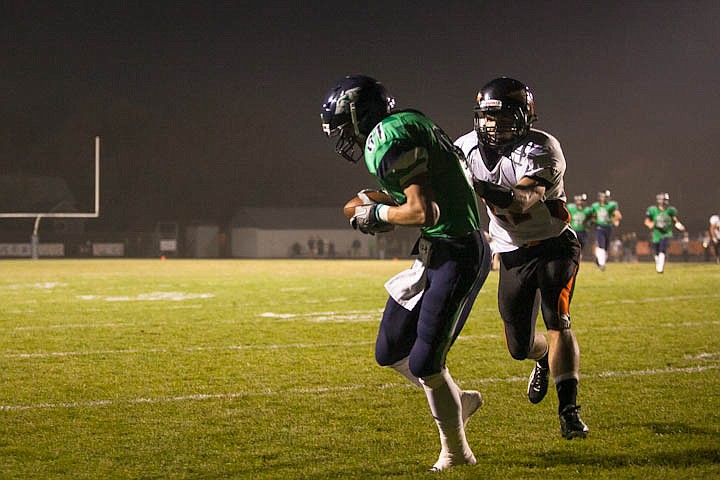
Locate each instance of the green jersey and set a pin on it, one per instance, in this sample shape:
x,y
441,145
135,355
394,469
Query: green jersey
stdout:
x,y
406,144
604,213
662,220
579,217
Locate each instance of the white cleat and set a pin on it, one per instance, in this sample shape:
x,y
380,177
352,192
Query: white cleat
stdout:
x,y
470,400
448,460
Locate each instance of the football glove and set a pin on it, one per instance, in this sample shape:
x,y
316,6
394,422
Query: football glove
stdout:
x,y
498,195
366,220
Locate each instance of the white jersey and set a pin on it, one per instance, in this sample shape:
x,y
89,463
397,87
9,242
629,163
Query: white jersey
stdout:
x,y
539,157
715,225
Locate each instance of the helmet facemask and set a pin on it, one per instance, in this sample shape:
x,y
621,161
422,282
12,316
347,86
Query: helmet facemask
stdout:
x,y
350,141
504,113
349,145
498,128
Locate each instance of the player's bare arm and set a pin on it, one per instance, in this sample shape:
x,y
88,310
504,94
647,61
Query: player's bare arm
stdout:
x,y
518,199
420,208
526,193
649,223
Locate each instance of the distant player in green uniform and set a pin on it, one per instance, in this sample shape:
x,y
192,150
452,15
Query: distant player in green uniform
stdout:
x,y
660,219
580,217
606,215
416,163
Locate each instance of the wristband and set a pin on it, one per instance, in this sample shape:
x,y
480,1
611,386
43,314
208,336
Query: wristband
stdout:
x,y
381,213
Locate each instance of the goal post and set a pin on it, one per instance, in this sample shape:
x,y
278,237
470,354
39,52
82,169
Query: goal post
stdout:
x,y
34,239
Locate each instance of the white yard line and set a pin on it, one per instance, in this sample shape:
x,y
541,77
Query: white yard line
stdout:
x,y
69,326
322,390
626,301
348,316
129,351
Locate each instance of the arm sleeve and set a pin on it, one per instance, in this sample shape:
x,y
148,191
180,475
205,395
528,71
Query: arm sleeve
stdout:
x,y
548,164
400,165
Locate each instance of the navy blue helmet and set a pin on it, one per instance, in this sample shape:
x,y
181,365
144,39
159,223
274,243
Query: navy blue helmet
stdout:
x,y
350,111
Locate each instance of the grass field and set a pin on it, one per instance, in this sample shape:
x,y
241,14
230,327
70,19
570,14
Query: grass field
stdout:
x,y
265,369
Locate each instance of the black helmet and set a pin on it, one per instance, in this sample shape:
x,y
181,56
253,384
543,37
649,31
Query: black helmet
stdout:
x,y
508,106
350,111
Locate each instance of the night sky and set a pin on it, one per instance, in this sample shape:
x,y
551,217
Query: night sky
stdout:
x,y
204,108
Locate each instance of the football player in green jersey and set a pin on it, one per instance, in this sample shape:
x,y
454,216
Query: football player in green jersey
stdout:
x,y
660,219
416,163
580,217
606,215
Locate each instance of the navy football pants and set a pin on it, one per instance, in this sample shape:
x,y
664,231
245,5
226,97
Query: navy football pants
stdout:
x,y
602,235
456,270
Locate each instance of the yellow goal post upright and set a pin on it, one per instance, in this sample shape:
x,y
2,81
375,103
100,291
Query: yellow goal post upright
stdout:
x,y
34,239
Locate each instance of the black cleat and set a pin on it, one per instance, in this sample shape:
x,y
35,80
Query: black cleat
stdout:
x,y
538,384
571,425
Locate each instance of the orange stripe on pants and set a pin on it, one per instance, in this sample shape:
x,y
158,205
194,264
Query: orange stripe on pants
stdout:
x,y
564,300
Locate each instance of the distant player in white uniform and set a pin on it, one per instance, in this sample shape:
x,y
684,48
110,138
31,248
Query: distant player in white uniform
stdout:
x,y
519,171
715,236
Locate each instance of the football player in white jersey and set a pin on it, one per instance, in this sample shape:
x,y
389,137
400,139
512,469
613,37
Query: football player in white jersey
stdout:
x,y
715,236
519,171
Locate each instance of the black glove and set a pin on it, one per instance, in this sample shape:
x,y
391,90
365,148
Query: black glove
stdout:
x,y
365,220
498,195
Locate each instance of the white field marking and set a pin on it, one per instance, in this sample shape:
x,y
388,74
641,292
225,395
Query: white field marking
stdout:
x,y
105,309
40,285
311,315
625,301
703,356
611,374
149,297
585,329
78,354
345,318
186,349
324,316
494,309
63,326
321,390
153,307
128,351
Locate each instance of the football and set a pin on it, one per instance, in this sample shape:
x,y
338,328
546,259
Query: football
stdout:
x,y
374,195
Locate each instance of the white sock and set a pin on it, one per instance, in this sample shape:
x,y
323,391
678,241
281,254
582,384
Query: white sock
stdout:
x,y
660,262
403,368
601,255
444,399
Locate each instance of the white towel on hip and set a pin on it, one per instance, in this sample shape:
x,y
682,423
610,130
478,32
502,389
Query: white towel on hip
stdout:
x,y
407,287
